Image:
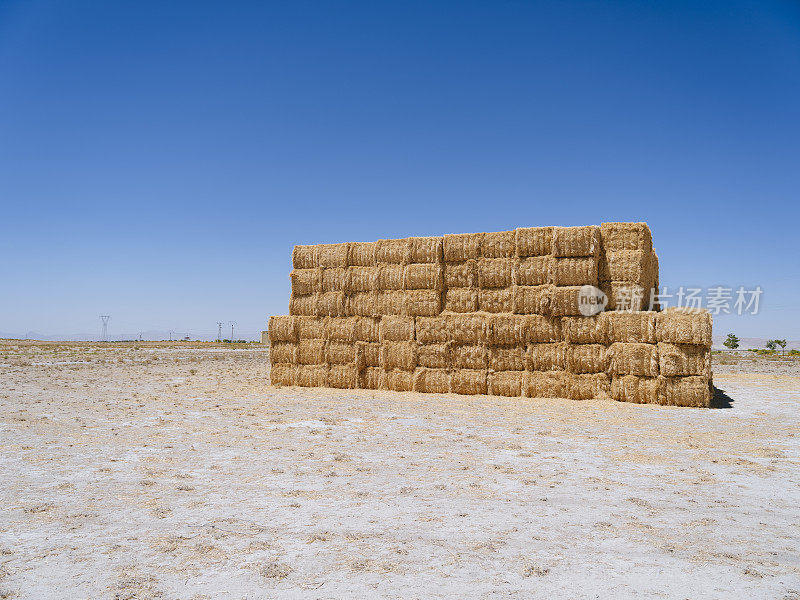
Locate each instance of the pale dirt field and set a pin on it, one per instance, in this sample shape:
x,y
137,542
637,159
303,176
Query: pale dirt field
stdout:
x,y
172,472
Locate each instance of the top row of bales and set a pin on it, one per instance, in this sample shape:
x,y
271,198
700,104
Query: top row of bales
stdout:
x,y
519,243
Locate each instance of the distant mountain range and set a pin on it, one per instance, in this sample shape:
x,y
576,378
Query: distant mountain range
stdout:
x,y
147,336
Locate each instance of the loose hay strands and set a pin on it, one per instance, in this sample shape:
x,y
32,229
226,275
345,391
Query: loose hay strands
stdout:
x,y
362,304
533,241
505,383
283,353
372,378
331,304
546,357
677,360
340,353
310,328
432,381
423,303
684,326
576,241
305,257
343,377
434,356
499,244
396,329
390,277
311,376
303,305
468,381
282,374
586,358
685,391
461,275
395,252
306,281
399,355
634,266
637,326
311,352
468,356
459,247
588,386
424,277
626,236
631,388
495,272
362,279
425,249
333,255
633,359
532,300
585,330
507,358
399,381
533,270
496,301
282,328
461,300
577,270
546,384
362,254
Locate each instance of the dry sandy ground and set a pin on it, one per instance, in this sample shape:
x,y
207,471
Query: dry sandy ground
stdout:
x,y
177,473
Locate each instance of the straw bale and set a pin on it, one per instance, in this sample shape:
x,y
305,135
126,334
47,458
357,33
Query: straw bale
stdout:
x,y
340,353
624,296
467,329
306,281
631,327
432,330
423,303
461,300
368,354
533,270
335,279
461,275
685,391
588,386
546,384
362,254
585,330
392,302
282,328
371,378
303,305
282,374
505,383
458,247
576,241
390,277
305,257
341,329
432,381
574,270
495,272
434,356
507,358
343,377
533,241
398,381
630,358
468,381
532,300
546,357
396,329
331,304
362,279
468,356
394,252
311,375
362,304
311,352
367,329
626,236
425,249
677,360
333,255
634,266
399,355
498,244
541,329
631,388
586,358
507,329
566,301
496,301
311,328
684,326
424,277
283,353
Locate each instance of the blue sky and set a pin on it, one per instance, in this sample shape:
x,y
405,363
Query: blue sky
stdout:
x,y
158,160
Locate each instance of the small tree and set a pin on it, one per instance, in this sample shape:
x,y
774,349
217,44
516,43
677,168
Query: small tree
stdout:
x,y
772,345
731,342
782,344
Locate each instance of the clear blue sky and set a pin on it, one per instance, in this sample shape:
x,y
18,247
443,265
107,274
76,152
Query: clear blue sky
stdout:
x,y
158,160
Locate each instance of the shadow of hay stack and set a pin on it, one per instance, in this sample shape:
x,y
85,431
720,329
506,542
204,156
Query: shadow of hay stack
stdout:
x,y
721,399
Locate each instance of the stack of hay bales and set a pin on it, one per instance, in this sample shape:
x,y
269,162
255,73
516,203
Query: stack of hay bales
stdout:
x,y
489,313
628,264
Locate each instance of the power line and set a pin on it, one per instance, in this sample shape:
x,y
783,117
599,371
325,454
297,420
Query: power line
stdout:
x,y
219,331
104,319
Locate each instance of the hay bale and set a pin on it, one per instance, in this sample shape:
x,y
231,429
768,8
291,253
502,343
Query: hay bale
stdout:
x,y
371,378
303,305
681,360
506,330
398,381
335,279
541,329
367,354
396,329
306,281
496,301
498,244
505,383
311,376
467,329
424,277
362,254
631,327
630,358
495,272
626,236
469,356
390,277
461,300
533,241
532,300
341,329
362,279
434,356
588,386
685,391
586,358
305,257
282,328
576,241
468,381
311,352
283,353
432,330
393,252
432,381
398,355
624,296
631,388
334,255
585,330
340,353
425,249
546,357
461,275
507,358
423,303
392,302
546,384
566,301
367,329
574,270
310,328
634,266
684,326
343,377
362,304
282,375
331,304
533,270
458,247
